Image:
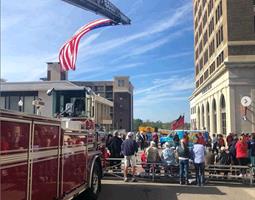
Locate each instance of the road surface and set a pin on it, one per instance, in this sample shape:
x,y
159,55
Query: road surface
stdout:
x,y
118,190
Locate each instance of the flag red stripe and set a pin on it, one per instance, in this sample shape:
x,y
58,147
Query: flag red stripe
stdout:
x,y
69,51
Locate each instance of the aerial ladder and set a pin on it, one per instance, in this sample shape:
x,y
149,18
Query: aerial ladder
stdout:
x,y
102,7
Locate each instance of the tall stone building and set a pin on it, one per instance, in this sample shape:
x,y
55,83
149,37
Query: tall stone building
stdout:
x,y
224,48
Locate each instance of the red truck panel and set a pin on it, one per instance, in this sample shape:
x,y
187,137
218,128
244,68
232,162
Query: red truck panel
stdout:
x,y
44,182
14,182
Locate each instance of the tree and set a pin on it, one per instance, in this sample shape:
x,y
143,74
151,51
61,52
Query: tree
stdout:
x,y
137,123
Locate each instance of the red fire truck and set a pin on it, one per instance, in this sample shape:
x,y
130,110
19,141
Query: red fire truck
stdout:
x,y
42,159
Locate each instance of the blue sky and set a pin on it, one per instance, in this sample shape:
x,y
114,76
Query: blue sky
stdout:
x,y
156,50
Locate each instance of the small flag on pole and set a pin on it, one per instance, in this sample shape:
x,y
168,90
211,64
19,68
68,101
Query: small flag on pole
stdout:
x,y
68,52
178,123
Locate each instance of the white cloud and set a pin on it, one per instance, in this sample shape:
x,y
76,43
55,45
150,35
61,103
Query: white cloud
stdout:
x,y
167,89
162,73
101,71
160,26
20,70
177,55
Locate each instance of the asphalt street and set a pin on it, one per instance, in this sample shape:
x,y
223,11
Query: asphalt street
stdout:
x,y
118,190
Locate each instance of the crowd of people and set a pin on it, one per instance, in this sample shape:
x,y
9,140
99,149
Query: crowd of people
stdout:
x,y
179,154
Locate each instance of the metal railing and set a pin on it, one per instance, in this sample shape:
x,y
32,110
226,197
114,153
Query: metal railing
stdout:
x,y
160,170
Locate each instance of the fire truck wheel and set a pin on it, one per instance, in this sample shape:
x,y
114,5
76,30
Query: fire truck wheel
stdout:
x,y
96,180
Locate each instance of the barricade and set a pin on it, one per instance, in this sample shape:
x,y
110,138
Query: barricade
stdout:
x,y
146,170
231,172
161,171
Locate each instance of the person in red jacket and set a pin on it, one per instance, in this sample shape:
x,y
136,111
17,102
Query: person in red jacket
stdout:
x,y
242,151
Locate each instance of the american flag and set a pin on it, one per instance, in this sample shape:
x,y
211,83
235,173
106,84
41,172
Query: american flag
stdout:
x,y
68,52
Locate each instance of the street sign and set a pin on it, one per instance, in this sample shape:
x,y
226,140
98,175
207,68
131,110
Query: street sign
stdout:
x,y
246,101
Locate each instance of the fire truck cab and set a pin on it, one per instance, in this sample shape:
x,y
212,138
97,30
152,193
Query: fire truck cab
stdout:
x,y
44,158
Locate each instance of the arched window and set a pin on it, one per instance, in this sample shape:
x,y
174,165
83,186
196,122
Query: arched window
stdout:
x,y
214,115
198,119
223,114
208,116
203,117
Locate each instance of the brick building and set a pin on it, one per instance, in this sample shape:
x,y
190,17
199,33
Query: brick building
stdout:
x,y
224,54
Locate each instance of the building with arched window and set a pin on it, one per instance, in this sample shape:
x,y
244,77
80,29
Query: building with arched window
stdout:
x,y
224,54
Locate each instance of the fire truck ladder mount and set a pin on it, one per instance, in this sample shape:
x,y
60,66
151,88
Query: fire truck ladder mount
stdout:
x,y
103,7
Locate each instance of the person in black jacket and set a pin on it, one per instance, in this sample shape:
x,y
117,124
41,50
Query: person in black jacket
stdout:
x,y
115,149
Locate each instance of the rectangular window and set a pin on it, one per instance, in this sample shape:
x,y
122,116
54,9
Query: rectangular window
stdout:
x,y
196,23
201,63
210,7
108,88
205,38
100,88
197,84
205,56
197,69
219,36
196,38
196,54
121,83
205,19
63,76
211,48
201,80
212,67
28,107
211,26
199,13
14,100
2,102
206,74
200,47
219,12
200,30
48,75
220,59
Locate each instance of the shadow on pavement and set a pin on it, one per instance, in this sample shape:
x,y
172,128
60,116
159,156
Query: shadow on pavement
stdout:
x,y
144,192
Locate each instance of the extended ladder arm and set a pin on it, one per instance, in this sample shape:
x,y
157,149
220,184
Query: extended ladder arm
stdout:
x,y
103,7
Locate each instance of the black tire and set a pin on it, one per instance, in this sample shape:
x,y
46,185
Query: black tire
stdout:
x,y
95,187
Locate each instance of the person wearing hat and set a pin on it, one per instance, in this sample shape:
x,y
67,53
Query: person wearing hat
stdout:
x,y
199,161
129,148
